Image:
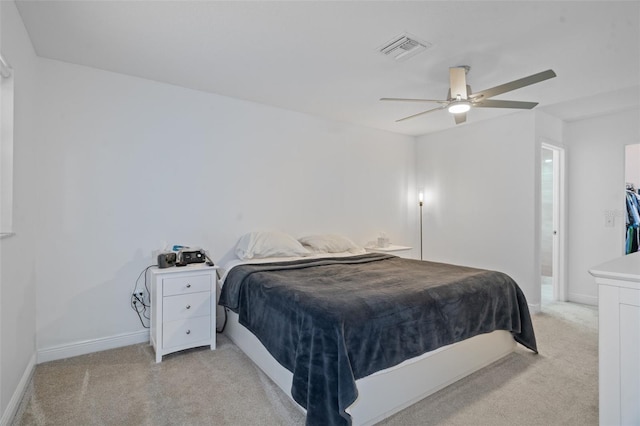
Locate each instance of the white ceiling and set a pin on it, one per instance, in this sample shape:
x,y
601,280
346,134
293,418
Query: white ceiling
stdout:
x,y
321,58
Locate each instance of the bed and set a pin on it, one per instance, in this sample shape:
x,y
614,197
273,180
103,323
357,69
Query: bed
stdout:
x,y
353,337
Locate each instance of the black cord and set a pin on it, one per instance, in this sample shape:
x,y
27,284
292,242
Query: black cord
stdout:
x,y
139,310
224,324
138,303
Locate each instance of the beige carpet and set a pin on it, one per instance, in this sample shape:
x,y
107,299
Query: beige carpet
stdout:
x,y
201,387
559,386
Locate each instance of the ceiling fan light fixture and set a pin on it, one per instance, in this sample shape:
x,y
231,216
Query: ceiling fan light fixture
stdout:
x,y
457,107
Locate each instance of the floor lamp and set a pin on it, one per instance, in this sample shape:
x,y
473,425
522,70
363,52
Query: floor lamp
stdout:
x,y
420,203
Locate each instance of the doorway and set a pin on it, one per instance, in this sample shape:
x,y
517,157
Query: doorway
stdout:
x,y
551,226
632,198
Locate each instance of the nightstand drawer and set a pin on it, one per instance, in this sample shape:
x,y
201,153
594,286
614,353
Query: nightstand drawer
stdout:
x,y
188,284
186,306
184,332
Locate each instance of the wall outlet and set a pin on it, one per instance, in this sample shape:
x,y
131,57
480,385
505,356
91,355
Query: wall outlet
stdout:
x,y
609,219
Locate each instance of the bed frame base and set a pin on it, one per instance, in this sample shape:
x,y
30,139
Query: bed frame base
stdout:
x,y
436,369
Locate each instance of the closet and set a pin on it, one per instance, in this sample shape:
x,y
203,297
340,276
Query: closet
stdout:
x,y
632,198
633,219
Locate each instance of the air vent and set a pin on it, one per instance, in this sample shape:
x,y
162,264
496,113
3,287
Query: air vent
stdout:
x,y
403,47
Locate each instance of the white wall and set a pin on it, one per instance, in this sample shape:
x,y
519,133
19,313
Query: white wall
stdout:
x,y
125,164
484,183
632,165
595,152
549,129
17,278
480,185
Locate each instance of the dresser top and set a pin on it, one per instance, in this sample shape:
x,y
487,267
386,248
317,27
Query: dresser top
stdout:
x,y
194,267
625,268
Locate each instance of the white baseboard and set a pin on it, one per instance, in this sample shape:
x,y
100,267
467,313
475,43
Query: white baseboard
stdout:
x,y
94,345
583,298
534,308
16,398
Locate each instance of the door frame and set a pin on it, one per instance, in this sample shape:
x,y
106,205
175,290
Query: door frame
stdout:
x,y
623,243
559,220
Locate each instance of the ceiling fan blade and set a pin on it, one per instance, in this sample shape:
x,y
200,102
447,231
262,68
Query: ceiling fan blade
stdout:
x,y
460,117
421,113
513,85
494,103
458,82
414,100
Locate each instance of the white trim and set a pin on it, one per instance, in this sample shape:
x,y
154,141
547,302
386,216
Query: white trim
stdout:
x,y
534,308
559,219
561,254
5,67
585,299
6,153
14,403
94,345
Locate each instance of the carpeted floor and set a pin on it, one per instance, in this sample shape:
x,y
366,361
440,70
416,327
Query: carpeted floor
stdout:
x,y
557,387
201,387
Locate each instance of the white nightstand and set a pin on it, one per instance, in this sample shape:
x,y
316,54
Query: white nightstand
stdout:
x,y
388,249
183,308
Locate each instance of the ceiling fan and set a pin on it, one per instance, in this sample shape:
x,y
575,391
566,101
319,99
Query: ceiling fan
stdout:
x,y
460,98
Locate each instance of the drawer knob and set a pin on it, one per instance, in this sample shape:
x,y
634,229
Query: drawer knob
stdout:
x,y
188,285
188,306
188,331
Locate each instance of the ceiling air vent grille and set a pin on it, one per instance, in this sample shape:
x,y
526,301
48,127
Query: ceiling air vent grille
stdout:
x,y
403,47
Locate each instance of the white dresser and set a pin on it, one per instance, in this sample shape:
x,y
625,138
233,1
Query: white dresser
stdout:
x,y
402,251
183,307
619,340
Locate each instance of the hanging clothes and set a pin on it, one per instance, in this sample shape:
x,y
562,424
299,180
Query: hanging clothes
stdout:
x,y
633,222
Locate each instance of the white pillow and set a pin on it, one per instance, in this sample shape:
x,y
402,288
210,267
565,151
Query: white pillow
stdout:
x,y
330,243
261,244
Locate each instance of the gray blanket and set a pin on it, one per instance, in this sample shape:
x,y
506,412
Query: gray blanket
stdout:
x,y
332,321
